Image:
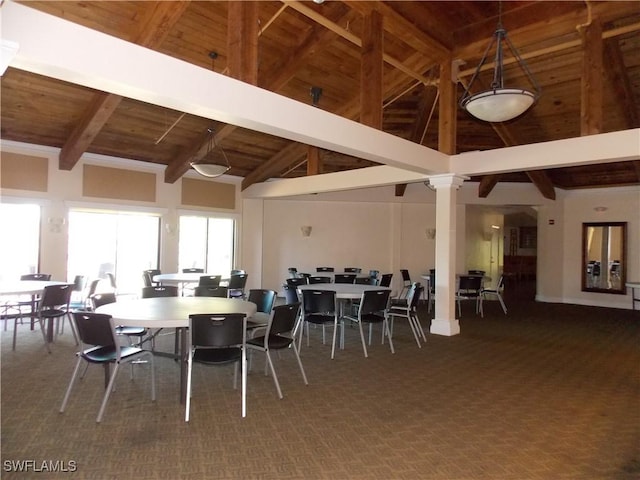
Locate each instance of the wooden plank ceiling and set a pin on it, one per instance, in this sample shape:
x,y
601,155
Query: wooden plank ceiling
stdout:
x,y
584,55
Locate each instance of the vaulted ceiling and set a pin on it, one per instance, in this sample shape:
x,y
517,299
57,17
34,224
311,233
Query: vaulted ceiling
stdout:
x,y
584,55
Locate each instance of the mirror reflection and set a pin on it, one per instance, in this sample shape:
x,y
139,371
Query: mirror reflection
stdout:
x,y
603,257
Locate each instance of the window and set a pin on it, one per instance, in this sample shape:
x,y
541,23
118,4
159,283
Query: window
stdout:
x,y
20,241
121,243
208,243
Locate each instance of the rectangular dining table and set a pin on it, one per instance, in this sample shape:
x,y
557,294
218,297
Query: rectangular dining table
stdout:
x,y
173,312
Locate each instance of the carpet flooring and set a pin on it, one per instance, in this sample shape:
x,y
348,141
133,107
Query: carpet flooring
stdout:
x,y
546,392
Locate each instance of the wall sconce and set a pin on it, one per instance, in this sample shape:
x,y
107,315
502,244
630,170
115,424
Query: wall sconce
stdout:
x,y
600,209
306,230
431,233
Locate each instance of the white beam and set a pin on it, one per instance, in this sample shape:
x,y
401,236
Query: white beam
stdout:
x,y
333,182
602,148
66,51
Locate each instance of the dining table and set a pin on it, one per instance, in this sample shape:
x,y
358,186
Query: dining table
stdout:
x,y
173,312
32,288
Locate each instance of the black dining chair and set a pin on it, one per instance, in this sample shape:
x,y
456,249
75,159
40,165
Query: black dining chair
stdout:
x,y
279,336
344,278
217,340
99,346
372,308
319,308
318,279
207,291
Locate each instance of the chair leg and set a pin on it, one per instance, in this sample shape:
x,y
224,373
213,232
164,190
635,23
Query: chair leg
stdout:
x,y
385,327
107,394
504,307
333,343
304,375
187,407
273,373
71,382
364,345
44,335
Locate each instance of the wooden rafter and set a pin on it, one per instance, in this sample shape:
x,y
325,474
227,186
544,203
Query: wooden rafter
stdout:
x,y
592,79
161,16
620,81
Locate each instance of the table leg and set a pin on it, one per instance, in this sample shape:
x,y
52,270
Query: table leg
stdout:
x,y
182,357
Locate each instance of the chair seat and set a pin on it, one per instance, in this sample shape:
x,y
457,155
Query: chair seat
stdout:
x,y
217,356
372,318
52,313
319,318
276,342
137,331
108,354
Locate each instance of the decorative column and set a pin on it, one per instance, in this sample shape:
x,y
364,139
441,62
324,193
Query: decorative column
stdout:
x,y
445,322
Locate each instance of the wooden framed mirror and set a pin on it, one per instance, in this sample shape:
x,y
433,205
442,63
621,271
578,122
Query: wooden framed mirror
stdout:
x,y
604,267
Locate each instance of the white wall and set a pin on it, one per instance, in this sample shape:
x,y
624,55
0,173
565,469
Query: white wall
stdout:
x,y
369,228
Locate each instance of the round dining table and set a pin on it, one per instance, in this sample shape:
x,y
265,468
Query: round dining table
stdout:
x,y
173,312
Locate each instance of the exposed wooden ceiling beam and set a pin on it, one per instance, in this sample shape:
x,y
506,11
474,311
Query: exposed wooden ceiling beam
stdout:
x,y
402,28
620,81
161,16
542,182
347,35
487,182
592,79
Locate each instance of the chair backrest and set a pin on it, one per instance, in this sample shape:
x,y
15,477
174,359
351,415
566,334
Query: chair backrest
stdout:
x,y
318,301
385,279
365,281
374,273
476,272
95,329
374,301
293,272
146,279
264,299
209,291
469,284
319,279
324,269
415,299
283,319
291,294
112,280
213,330
56,296
237,272
294,282
432,280
193,270
148,276
93,286
344,278
160,291
352,270
405,276
210,280
500,284
36,276
79,282
99,299
238,282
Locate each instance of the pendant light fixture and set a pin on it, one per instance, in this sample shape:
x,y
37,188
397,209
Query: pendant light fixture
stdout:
x,y
209,166
500,103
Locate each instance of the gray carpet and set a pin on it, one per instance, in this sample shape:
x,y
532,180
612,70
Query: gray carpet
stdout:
x,y
546,392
